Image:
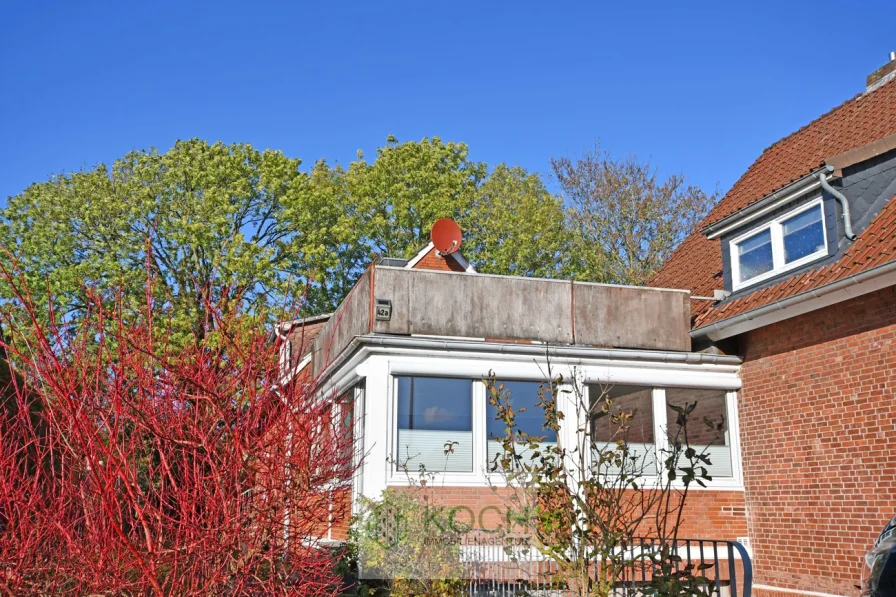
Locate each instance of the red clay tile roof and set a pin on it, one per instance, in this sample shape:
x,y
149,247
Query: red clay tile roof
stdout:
x,y
697,264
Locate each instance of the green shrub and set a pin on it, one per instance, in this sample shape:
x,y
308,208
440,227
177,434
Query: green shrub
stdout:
x,y
411,543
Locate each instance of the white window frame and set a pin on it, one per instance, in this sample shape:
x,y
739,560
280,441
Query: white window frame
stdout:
x,y
478,426
480,476
777,239
661,439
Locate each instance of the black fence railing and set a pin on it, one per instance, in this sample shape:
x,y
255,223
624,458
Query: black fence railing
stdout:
x,y
725,566
509,566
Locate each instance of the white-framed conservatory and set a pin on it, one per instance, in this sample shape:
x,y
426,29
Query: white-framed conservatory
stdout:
x,y
411,395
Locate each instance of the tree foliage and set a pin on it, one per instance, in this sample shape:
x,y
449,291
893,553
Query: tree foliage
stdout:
x,y
258,230
206,220
349,218
400,543
624,220
516,227
407,188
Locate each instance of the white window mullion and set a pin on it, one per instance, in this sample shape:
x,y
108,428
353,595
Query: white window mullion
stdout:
x,y
479,429
379,428
777,246
393,422
357,447
580,440
660,426
735,266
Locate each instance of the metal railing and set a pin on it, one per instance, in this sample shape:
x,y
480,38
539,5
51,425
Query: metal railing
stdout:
x,y
714,560
501,566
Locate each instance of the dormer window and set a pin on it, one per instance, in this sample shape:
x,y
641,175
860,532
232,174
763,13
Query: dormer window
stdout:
x,y
787,242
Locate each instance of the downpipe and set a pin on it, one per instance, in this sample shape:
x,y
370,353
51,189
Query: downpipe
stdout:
x,y
844,203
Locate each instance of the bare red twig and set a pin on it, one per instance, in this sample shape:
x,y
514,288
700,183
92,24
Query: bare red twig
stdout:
x,y
129,466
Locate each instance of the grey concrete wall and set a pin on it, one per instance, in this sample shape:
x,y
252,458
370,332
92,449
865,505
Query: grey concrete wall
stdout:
x,y
632,317
351,319
552,311
508,308
475,306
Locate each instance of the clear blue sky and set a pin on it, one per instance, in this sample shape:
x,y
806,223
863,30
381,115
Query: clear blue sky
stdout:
x,y
699,88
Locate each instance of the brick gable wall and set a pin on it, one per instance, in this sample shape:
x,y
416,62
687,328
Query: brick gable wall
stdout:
x,y
818,427
433,260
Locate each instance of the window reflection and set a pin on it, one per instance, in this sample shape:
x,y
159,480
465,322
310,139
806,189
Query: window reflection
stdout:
x,y
433,412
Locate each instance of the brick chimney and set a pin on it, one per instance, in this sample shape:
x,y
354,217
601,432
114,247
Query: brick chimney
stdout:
x,y
885,73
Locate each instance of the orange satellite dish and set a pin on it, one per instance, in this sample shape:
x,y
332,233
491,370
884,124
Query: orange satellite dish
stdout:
x,y
446,236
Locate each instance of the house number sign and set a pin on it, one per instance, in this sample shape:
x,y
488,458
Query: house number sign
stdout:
x,y
383,310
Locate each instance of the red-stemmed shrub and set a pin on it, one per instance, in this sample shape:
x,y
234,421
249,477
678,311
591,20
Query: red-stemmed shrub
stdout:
x,y
131,465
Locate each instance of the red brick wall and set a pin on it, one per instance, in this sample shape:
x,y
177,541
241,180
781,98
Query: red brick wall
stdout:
x,y
340,515
818,428
709,514
433,261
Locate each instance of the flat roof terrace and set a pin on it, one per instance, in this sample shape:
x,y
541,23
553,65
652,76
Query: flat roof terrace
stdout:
x,y
413,302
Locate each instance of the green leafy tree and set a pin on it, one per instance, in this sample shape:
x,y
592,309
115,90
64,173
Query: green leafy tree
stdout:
x,y
234,225
516,227
251,224
345,219
205,220
407,541
410,185
348,218
327,242
625,221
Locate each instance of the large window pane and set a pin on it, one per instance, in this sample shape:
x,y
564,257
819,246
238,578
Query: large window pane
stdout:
x,y
803,234
755,255
521,395
637,403
710,406
433,411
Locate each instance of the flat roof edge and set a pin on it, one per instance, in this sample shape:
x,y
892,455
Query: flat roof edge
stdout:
x,y
531,350
534,279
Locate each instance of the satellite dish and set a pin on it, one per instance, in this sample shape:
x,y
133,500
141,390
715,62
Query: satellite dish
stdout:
x,y
446,236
